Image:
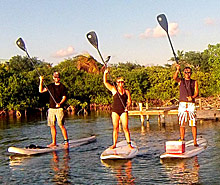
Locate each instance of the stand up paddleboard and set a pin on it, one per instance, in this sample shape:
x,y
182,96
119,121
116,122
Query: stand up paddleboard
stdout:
x,y
34,149
190,150
122,151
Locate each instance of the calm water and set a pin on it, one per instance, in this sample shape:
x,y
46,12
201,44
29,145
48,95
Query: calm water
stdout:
x,y
82,165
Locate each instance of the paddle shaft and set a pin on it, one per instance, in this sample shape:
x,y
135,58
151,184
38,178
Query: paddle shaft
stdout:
x,y
92,37
111,79
176,59
40,75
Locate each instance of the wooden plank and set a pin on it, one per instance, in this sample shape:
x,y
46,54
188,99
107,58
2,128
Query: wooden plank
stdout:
x,y
152,112
200,114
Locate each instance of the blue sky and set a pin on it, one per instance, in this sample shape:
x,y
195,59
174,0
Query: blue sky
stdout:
x,y
54,30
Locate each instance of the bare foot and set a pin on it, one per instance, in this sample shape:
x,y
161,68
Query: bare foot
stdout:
x,y
112,147
52,145
66,145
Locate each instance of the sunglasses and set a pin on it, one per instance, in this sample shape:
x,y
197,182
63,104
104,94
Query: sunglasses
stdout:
x,y
120,82
187,72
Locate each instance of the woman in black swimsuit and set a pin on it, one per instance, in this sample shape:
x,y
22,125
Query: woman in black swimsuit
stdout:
x,y
121,102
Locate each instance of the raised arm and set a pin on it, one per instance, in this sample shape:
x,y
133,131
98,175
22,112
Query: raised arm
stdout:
x,y
175,76
107,85
41,89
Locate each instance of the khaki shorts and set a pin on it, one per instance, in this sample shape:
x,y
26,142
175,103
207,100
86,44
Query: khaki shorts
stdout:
x,y
55,115
187,113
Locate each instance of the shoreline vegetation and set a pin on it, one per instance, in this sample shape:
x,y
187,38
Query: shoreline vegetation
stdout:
x,y
82,75
203,104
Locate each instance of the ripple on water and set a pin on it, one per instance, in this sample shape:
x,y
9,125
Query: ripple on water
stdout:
x,y
82,165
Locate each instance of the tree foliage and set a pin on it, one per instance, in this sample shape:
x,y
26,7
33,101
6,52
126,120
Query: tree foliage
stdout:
x,y
83,77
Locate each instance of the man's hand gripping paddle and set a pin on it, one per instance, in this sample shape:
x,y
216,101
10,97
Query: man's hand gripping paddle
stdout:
x,y
162,20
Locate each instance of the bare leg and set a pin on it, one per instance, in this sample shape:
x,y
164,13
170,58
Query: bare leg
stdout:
x,y
182,133
64,132
115,122
124,120
53,134
65,136
194,132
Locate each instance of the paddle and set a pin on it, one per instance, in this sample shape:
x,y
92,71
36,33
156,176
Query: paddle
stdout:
x,y
162,20
20,43
93,39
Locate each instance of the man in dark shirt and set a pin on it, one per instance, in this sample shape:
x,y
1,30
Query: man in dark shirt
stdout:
x,y
188,92
57,93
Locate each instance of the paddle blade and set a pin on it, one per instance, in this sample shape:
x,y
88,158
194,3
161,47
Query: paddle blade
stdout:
x,y
107,59
20,43
162,20
92,38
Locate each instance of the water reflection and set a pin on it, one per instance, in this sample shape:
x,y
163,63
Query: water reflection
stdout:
x,y
18,160
11,121
61,168
122,169
85,167
59,165
145,129
182,171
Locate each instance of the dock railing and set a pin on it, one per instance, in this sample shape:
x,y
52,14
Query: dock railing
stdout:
x,y
146,112
203,113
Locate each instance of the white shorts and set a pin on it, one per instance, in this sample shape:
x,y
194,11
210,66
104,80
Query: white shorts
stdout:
x,y
187,113
55,115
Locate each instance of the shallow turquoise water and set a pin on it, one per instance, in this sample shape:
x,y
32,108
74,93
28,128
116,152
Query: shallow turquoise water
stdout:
x,y
82,165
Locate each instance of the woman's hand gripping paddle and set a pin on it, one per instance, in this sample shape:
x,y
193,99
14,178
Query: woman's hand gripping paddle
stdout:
x,y
93,39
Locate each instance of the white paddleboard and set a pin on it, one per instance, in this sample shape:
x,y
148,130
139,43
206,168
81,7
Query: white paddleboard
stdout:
x,y
190,149
40,149
122,151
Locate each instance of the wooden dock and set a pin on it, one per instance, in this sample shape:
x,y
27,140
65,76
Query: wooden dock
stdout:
x,y
162,112
152,112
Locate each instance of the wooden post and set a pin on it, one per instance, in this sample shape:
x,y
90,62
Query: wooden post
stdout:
x,y
147,107
200,104
140,106
159,120
141,109
162,118
148,124
142,128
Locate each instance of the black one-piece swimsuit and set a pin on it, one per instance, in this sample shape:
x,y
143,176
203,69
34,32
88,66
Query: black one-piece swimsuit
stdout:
x,y
117,106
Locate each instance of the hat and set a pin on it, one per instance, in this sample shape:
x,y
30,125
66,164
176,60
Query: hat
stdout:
x,y
56,74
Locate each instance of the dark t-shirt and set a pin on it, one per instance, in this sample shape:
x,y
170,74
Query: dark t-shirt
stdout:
x,y
190,86
58,91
